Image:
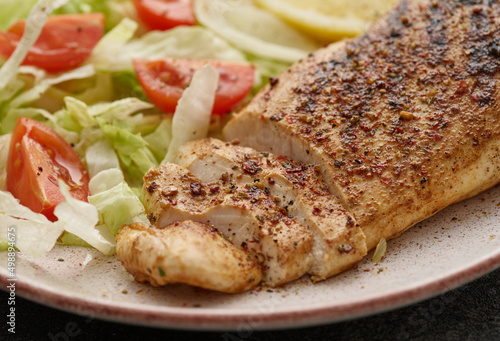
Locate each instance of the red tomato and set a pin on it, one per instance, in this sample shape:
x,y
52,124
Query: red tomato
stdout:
x,y
38,157
164,81
64,43
165,14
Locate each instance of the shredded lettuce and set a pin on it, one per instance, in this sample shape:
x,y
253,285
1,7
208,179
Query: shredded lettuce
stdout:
x,y
115,201
13,10
116,50
4,153
97,88
36,20
10,110
101,109
101,157
114,10
111,45
120,124
160,139
192,114
45,82
80,218
132,149
118,206
105,180
35,235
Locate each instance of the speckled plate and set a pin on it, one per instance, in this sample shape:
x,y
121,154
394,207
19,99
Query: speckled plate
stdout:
x,y
457,245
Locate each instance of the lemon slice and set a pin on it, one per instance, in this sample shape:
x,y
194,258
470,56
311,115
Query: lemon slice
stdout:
x,y
329,20
254,30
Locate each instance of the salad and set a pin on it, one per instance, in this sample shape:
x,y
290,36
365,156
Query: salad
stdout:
x,y
95,92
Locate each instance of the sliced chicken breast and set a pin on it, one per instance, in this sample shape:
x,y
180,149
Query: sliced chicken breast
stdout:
x,y
402,121
186,252
245,214
338,241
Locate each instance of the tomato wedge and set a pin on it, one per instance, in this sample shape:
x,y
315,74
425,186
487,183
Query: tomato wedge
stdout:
x,y
164,80
64,43
38,157
165,14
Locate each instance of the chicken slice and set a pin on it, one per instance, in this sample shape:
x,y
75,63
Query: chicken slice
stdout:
x,y
185,252
338,241
245,214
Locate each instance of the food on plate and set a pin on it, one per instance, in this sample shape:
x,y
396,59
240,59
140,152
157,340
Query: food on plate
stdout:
x,y
165,80
253,30
186,252
349,147
64,43
164,14
329,20
296,188
38,158
245,214
393,124
401,122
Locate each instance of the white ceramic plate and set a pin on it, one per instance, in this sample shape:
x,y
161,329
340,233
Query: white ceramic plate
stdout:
x,y
457,245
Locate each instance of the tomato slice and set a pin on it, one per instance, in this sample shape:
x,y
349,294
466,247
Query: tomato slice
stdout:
x,y
38,157
165,14
64,43
164,81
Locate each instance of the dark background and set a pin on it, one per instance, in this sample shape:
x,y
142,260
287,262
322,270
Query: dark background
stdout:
x,y
470,312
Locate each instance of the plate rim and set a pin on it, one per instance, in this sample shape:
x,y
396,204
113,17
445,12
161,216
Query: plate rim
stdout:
x,y
210,319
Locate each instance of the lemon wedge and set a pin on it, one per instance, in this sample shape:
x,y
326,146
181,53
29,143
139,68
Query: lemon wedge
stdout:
x,y
328,20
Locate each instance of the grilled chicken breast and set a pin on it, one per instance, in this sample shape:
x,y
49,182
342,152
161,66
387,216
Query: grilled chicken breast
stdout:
x,y
401,122
245,214
185,252
338,241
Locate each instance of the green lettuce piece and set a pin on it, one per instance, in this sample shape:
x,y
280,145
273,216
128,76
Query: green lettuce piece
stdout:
x,y
80,218
192,115
160,139
13,10
125,84
264,69
115,54
120,123
70,239
16,102
132,149
91,90
118,206
113,10
34,24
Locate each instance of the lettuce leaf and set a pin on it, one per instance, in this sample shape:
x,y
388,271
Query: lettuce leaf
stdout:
x,y
34,24
4,153
132,149
13,10
117,48
118,206
119,123
34,234
192,115
114,10
159,140
80,218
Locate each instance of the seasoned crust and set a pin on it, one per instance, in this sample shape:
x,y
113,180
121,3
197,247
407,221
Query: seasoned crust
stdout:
x,y
403,121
